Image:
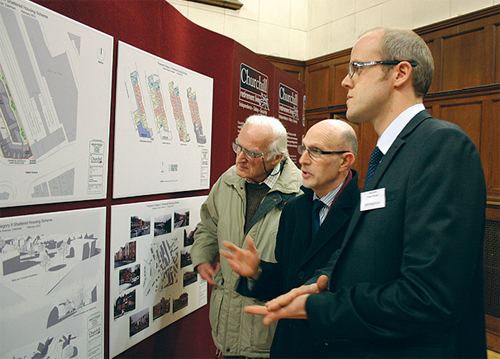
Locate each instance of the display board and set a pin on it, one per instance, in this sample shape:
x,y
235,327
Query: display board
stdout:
x,y
52,285
55,100
260,88
163,130
152,279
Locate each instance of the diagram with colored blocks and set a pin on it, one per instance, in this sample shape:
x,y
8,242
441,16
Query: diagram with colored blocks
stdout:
x,y
195,116
139,114
178,114
163,126
160,113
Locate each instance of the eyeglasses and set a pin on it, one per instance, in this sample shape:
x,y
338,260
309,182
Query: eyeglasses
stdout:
x,y
355,66
316,153
250,155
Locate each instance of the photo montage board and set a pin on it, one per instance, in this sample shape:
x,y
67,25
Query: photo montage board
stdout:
x,y
163,131
52,285
152,279
55,103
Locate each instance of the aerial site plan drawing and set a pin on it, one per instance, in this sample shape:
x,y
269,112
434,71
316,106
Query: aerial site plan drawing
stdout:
x,y
55,100
52,285
163,126
152,279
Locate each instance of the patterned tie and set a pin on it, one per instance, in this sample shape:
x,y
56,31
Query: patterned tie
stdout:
x,y
375,159
317,205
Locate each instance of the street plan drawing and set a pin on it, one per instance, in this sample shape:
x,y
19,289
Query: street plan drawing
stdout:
x,y
163,126
55,101
152,279
52,285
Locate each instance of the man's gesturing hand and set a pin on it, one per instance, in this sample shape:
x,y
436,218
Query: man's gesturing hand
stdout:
x,y
243,262
291,305
207,272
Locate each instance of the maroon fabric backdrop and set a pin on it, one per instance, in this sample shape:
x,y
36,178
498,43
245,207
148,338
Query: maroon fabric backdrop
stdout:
x,y
157,27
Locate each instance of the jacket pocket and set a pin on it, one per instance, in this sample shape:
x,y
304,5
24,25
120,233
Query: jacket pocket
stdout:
x,y
215,309
261,335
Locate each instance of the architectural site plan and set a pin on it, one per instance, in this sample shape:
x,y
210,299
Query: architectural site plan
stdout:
x,y
55,96
152,279
163,126
52,285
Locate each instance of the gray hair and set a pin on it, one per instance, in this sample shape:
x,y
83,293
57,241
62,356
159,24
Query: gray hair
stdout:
x,y
404,44
351,140
277,130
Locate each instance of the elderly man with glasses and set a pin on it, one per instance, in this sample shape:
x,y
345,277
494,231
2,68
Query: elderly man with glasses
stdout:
x,y
246,200
311,229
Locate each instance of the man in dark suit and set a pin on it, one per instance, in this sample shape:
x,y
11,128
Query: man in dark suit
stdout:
x,y
327,154
407,280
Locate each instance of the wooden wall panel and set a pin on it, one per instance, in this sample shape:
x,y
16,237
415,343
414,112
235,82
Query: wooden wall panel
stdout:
x,y
496,53
491,152
435,47
319,94
339,92
464,63
467,116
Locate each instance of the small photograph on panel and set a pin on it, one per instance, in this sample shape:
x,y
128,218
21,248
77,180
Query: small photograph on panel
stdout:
x,y
189,277
181,302
126,254
139,322
185,258
161,308
139,226
124,304
130,277
163,225
188,238
181,218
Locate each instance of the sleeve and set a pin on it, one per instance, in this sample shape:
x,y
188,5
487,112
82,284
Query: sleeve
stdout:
x,y
205,247
441,250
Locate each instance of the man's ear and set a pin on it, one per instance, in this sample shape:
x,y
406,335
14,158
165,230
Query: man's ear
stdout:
x,y
277,159
347,161
404,72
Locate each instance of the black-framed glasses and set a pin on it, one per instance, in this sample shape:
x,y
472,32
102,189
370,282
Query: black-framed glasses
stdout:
x,y
250,155
316,153
355,66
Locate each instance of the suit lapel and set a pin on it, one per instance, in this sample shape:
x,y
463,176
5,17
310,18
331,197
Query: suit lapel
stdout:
x,y
328,229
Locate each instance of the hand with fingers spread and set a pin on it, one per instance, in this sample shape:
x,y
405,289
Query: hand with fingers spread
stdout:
x,y
243,262
291,305
207,271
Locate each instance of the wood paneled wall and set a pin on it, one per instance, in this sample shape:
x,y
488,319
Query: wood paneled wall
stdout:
x,y
465,91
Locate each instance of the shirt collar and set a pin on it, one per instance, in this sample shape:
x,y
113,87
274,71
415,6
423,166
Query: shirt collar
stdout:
x,y
394,129
271,179
329,197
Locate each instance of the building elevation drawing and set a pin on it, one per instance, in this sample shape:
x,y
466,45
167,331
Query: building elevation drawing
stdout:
x,y
52,285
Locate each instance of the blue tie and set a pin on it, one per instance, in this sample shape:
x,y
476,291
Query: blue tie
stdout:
x,y
375,159
317,205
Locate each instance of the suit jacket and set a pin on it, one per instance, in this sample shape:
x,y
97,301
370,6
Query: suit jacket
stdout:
x,y
298,257
407,281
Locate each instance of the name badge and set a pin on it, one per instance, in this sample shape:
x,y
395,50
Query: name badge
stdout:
x,y
372,200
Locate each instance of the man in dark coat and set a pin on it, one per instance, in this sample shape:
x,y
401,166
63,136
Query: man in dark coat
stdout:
x,y
407,280
327,154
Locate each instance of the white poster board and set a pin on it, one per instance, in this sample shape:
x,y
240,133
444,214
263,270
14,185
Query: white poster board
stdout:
x,y
55,102
163,130
52,285
152,280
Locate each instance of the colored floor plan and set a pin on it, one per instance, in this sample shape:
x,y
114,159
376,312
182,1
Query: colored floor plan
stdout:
x,y
163,124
